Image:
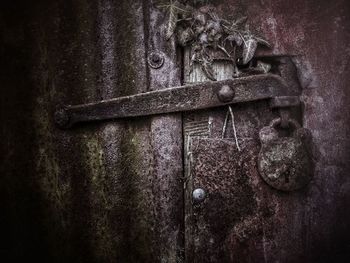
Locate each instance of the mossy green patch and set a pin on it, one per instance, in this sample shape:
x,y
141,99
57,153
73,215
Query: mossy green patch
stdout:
x,y
48,170
93,158
133,209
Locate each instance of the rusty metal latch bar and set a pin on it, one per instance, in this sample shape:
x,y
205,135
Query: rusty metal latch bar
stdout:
x,y
178,99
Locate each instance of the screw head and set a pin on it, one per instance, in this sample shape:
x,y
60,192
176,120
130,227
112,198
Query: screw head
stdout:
x,y
198,195
226,94
155,59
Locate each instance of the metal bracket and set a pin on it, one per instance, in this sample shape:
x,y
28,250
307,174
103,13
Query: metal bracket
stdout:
x,y
182,98
285,101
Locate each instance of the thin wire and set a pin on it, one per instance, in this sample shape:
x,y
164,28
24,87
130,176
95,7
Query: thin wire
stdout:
x,y
225,126
234,128
189,160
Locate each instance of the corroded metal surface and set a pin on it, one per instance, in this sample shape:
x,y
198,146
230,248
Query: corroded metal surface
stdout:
x,y
100,193
285,163
285,101
309,225
67,195
183,98
155,59
216,163
225,174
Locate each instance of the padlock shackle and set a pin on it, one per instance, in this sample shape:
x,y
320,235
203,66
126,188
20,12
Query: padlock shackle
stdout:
x,y
276,122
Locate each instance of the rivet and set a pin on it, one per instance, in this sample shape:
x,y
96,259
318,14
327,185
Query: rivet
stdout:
x,y
155,59
198,195
226,94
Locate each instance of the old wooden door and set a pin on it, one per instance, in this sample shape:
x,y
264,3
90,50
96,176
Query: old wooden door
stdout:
x,y
169,187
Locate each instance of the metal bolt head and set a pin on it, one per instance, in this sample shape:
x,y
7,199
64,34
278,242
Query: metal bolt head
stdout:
x,y
198,195
226,94
155,59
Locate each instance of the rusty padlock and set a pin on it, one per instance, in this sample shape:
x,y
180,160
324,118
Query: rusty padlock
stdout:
x,y
285,163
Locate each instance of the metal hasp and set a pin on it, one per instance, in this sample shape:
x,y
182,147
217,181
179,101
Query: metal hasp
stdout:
x,y
183,98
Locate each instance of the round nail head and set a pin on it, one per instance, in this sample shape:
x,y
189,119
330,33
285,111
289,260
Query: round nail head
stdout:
x,y
198,195
156,59
226,94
